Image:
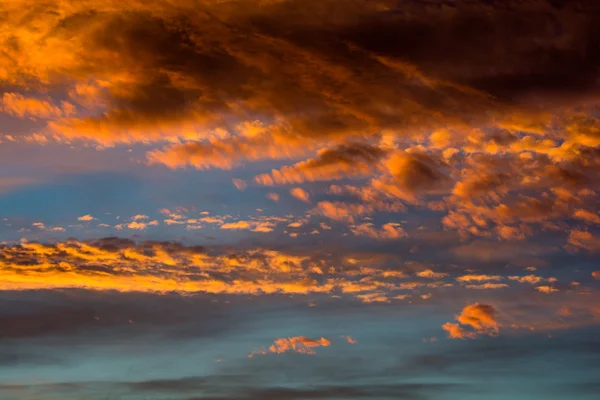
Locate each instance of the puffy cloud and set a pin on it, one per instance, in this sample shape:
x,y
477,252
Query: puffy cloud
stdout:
x,y
584,239
587,215
390,230
236,225
296,344
27,107
546,289
41,226
300,194
373,298
273,196
531,279
473,321
411,175
137,225
86,218
348,212
335,163
596,275
430,274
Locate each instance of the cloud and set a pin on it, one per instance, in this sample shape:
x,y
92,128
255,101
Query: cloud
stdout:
x,y
137,225
487,285
199,68
474,320
546,289
343,161
350,339
584,240
296,344
390,230
115,264
24,107
348,212
429,274
411,175
300,194
426,120
239,184
86,218
478,278
236,225
531,279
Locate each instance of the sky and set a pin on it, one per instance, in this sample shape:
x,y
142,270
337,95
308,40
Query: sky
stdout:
x,y
299,199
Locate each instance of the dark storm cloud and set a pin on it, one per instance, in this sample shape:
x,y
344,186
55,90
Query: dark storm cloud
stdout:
x,y
330,67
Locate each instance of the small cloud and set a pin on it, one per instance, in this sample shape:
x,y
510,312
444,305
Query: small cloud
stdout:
x,y
474,320
430,274
239,225
239,184
478,278
86,218
546,289
300,194
488,285
296,344
137,225
273,196
349,339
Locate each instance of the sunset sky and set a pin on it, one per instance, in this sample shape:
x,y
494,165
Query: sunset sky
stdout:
x,y
299,199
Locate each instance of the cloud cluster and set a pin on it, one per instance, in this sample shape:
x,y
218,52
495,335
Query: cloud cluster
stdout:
x,y
403,94
115,264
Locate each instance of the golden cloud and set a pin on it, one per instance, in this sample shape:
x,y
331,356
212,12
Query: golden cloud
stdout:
x,y
473,321
296,344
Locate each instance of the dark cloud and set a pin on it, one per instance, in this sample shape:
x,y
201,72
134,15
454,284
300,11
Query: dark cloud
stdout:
x,y
375,65
234,387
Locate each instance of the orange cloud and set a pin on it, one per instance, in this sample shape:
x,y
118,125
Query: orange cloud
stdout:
x,y
487,285
27,107
300,194
584,239
296,344
273,196
350,339
388,231
474,320
546,289
340,162
411,175
479,278
429,274
162,267
239,184
531,279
